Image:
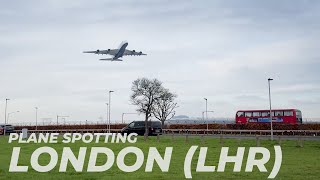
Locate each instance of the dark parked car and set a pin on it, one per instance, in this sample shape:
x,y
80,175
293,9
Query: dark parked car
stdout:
x,y
8,128
139,128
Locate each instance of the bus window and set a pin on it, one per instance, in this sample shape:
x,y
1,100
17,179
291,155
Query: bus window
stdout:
x,y
256,114
248,114
272,113
298,114
288,113
240,114
279,113
265,114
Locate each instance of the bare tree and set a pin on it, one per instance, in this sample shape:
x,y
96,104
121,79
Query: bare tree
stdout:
x,y
145,91
164,106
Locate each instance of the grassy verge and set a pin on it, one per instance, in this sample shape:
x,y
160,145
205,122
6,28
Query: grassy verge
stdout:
x,y
298,162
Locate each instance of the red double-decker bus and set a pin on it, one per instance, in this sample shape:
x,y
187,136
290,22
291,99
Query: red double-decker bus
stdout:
x,y
290,116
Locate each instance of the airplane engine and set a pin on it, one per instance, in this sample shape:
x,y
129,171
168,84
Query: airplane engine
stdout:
x,y
140,53
133,51
98,51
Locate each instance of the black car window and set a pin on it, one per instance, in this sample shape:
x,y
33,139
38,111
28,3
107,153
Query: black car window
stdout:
x,y
131,125
156,124
139,124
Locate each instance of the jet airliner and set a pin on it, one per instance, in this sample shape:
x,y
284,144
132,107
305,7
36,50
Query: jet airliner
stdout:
x,y
117,53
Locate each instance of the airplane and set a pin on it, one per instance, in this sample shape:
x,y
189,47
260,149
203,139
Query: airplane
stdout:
x,y
117,53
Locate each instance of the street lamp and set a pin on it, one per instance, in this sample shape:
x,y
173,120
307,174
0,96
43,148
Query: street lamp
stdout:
x,y
5,112
109,128
124,114
206,107
107,111
11,113
270,108
36,118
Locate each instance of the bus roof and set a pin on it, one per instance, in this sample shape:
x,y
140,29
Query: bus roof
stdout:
x,y
268,110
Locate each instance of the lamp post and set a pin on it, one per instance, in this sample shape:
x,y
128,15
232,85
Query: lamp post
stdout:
x,y
269,80
206,108
107,111
5,116
5,112
11,113
109,128
36,118
206,112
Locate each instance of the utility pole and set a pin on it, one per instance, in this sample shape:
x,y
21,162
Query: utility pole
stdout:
x,y
109,129
5,117
36,118
107,116
207,112
5,112
206,108
270,108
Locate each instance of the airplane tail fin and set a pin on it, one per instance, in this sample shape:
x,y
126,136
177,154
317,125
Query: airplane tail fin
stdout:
x,y
110,59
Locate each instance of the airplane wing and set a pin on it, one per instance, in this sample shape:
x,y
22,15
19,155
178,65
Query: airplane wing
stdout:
x,y
133,53
110,59
108,51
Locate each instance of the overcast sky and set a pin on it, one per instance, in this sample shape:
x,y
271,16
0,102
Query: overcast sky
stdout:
x,y
222,50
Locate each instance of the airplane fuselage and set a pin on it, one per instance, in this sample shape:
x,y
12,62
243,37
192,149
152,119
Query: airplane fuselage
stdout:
x,y
121,51
117,53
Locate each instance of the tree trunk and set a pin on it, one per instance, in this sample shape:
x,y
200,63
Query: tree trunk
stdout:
x,y
146,127
162,124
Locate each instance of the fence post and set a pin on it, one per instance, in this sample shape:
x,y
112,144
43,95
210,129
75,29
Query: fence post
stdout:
x,y
172,137
202,139
187,138
279,140
300,142
158,138
221,138
257,140
239,141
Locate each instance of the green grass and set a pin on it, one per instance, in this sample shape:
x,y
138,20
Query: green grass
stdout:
x,y
298,162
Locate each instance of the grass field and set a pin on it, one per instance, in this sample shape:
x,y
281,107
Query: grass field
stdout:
x,y
298,162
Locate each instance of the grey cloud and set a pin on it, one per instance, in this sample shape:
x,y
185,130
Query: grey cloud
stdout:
x,y
224,50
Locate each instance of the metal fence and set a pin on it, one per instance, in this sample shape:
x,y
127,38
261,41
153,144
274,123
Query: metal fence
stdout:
x,y
314,133
169,122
